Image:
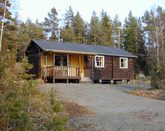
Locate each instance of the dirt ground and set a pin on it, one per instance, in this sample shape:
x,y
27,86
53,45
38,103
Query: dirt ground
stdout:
x,y
109,108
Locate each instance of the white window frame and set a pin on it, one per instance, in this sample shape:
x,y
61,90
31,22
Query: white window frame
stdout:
x,y
125,63
99,66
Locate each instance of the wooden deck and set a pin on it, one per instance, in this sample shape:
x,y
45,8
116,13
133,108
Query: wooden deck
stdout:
x,y
58,72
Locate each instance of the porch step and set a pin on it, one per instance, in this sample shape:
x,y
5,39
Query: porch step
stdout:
x,y
85,79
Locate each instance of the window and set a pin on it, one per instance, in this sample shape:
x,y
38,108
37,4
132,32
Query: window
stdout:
x,y
99,61
64,60
123,62
57,60
60,60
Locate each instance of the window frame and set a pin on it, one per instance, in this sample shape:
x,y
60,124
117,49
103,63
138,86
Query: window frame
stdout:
x,y
55,60
61,60
103,61
125,63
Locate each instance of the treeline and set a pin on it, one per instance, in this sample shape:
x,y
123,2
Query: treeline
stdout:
x,y
143,36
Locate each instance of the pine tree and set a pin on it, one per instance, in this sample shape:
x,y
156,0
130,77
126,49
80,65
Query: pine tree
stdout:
x,y
154,22
149,28
94,29
141,49
117,31
106,30
9,35
69,17
51,23
26,32
67,33
78,25
35,31
160,23
130,34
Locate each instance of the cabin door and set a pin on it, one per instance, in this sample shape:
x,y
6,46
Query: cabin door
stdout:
x,y
87,66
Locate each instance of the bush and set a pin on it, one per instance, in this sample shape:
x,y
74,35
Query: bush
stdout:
x,y
158,78
22,105
57,121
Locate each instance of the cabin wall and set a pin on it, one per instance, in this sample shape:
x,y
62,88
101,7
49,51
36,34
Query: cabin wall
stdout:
x,y
74,62
49,56
123,74
32,53
106,72
112,70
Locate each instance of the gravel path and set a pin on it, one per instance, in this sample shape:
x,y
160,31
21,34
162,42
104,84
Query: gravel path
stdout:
x,y
115,110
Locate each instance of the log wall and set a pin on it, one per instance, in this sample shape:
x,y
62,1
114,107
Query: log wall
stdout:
x,y
112,70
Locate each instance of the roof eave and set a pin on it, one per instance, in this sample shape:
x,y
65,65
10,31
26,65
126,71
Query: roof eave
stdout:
x,y
130,56
73,52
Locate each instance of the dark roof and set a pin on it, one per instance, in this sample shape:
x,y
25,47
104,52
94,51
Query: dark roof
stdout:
x,y
47,45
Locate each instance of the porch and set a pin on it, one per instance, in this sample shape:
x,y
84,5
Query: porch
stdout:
x,y
66,67
63,73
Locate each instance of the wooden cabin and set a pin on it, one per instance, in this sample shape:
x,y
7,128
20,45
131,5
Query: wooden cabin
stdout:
x,y
53,61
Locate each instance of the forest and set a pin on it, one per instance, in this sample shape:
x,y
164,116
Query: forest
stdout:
x,y
143,36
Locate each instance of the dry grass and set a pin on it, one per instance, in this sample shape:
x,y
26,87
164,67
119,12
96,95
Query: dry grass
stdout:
x,y
76,110
156,94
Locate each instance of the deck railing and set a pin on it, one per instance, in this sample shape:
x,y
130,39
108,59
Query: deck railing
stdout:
x,y
61,72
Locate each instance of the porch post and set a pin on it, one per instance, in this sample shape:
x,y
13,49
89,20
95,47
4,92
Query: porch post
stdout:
x,y
79,65
68,60
92,67
41,75
46,63
68,67
53,67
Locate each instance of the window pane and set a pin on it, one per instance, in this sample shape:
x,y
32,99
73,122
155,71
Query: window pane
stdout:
x,y
100,63
97,59
57,60
123,62
101,59
64,60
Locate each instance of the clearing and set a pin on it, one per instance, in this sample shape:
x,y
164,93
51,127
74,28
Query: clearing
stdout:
x,y
111,108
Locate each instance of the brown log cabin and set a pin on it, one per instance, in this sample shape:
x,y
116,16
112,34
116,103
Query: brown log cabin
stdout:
x,y
54,61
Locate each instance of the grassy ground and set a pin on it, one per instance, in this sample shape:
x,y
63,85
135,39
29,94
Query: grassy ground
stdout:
x,y
156,94
76,110
144,89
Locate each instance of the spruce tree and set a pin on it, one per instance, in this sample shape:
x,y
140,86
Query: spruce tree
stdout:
x,y
117,31
141,49
69,17
51,23
130,34
106,29
9,35
94,29
67,32
78,25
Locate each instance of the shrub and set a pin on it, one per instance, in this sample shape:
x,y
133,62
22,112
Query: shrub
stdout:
x,y
57,121
158,78
22,105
